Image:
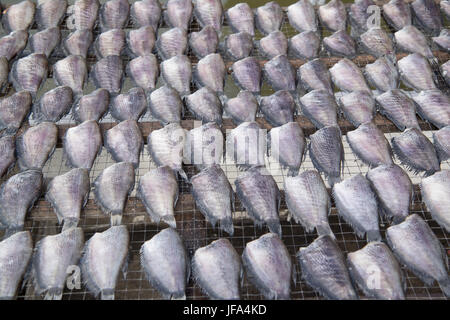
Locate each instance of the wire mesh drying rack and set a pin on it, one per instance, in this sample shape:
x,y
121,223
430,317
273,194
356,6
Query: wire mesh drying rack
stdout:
x,y
196,232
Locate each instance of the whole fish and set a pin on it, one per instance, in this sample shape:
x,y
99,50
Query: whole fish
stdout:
x,y
347,76
177,73
356,203
320,107
84,14
441,141
7,156
382,74
260,196
211,72
398,108
178,13
130,105
427,15
19,16
278,108
279,73
358,107
171,43
435,190
302,17
412,40
333,15
53,104
394,190
209,12
68,194
324,269
35,146
443,40
166,263
242,108
158,191
45,41
274,44
13,111
445,71
415,151
146,13
165,105
397,14
214,196
204,41
205,105
370,145
111,189
109,43
104,255
144,71
222,281
327,152
141,41
124,142
11,45
377,43
114,14
52,258
433,106
50,13
78,43
359,16
416,246
107,73
18,195
91,106
238,45
340,44
240,18
304,45
247,74
29,72
268,265
377,272
416,72
15,254
82,144
72,72
269,17
308,201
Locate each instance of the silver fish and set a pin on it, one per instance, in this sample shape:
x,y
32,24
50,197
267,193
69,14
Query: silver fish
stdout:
x,y
18,195
382,74
205,105
166,263
84,14
53,104
130,105
72,72
441,141
377,43
247,74
45,41
36,145
416,246
308,201
111,189
158,191
103,256
397,14
78,42
19,16
443,40
52,257
445,71
274,44
416,72
320,108
340,44
427,15
357,106
114,14
358,15
165,105
260,196
109,43
347,76
445,8
238,45
12,44
50,13
146,13
370,145
279,73
91,106
412,40
7,156
141,41
177,73
240,18
268,265
124,142
278,108
242,108
178,13
108,73
210,72
305,45
68,194
269,17
324,269
82,144
214,196
217,269
144,71
204,41
29,72
415,151
333,15
433,106
172,43
209,12
377,272
13,111
302,17
435,190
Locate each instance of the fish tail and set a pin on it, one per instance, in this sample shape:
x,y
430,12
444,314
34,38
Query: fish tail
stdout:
x,y
324,229
107,294
116,219
445,286
274,226
170,220
332,180
227,225
53,294
373,235
70,223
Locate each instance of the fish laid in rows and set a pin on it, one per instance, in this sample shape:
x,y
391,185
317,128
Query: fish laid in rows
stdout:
x,y
130,105
211,72
124,142
356,203
304,45
28,73
177,73
320,107
209,12
205,105
274,44
158,191
333,15
269,17
308,201
382,74
84,15
347,76
359,15
377,43
214,196
268,266
166,263
435,192
178,13
35,146
109,43
302,17
397,14
443,40
324,269
204,41
146,13
247,74
144,71
357,106
280,73
91,106
415,72
7,154
433,106
45,41
377,272
52,258
171,43
78,43
260,196
108,73
50,13
278,108
441,141
242,108
71,71
394,190
104,255
114,14
412,40
165,105
370,145
140,42
112,188
82,144
238,45
222,281
18,195
13,111
340,44
426,14
68,194
415,151
416,246
240,18
314,75
53,104
12,44
18,16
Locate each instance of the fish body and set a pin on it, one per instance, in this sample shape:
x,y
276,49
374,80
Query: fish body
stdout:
x,y
340,44
7,154
72,72
141,41
45,41
427,15
209,12
302,17
144,71
435,192
85,14
13,111
358,107
165,105
114,14
320,107
53,104
238,45
178,13
314,75
19,16
358,15
109,43
433,106
108,73
242,108
333,15
130,105
347,76
91,106
240,18
12,44
50,13
382,74
78,43
177,73
205,105
274,44
378,43
397,14
247,74
304,45
415,72
269,17
29,72
278,108
146,13
412,40
279,73
204,41
172,43
210,72
443,40
441,141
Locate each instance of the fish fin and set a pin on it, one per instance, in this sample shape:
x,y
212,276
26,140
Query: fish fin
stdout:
x,y
445,286
107,294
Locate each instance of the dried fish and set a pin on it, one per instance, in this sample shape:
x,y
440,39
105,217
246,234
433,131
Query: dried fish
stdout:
x,y
108,73
240,18
144,71
91,106
435,190
53,104
269,17
305,45
242,108
141,41
130,105
247,74
178,13
177,73
72,72
165,105
172,43
320,107
146,13
13,111
357,106
204,41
